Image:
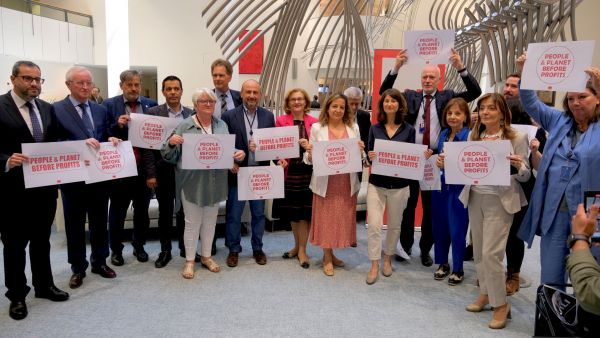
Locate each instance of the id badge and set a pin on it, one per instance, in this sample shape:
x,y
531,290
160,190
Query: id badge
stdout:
x,y
422,127
565,173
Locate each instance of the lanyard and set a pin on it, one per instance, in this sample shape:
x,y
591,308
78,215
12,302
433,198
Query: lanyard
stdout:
x,y
201,127
250,123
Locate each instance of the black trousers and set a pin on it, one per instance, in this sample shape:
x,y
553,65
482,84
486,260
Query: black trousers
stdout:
x,y
125,191
165,195
24,221
80,199
515,247
407,233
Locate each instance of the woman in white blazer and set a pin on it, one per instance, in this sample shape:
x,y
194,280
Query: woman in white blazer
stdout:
x,y
334,197
491,208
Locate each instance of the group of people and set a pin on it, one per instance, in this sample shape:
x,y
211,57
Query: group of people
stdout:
x,y
320,209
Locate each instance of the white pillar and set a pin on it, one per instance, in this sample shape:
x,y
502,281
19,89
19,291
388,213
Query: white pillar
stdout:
x,y
117,42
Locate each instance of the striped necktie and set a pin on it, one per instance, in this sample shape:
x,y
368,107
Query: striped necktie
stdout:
x,y
223,103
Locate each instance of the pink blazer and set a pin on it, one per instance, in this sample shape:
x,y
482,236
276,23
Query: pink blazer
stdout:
x,y
287,120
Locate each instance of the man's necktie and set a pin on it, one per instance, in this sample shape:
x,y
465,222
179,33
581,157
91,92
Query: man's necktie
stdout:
x,y
87,121
38,134
223,103
427,113
132,105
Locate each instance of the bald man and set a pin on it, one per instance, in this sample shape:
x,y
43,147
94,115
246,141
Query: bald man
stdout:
x,y
425,114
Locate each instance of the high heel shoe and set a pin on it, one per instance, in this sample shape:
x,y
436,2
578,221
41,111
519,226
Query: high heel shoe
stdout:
x,y
500,317
478,305
372,279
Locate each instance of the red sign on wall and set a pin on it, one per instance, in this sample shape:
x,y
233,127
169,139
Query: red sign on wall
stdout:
x,y
252,61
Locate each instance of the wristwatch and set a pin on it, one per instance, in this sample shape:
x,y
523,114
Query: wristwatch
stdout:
x,y
577,237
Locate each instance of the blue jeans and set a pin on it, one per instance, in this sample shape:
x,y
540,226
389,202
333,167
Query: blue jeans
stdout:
x,y
554,250
235,208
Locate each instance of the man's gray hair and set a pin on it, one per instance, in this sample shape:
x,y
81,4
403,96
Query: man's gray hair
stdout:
x,y
129,74
203,91
75,69
353,92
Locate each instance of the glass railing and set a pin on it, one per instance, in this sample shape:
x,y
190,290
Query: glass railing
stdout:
x,y
47,11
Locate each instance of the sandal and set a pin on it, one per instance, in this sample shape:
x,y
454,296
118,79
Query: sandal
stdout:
x,y
210,265
188,270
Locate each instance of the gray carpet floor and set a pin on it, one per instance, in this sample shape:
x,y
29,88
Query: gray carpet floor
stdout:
x,y
279,299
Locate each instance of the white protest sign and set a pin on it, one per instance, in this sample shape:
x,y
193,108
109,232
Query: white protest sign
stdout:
x,y
428,47
528,130
399,159
336,157
557,66
110,162
207,151
276,143
259,183
431,177
149,131
54,163
477,162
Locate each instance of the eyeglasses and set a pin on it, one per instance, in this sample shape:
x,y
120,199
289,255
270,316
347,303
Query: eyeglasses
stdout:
x,y
209,102
297,99
83,83
30,79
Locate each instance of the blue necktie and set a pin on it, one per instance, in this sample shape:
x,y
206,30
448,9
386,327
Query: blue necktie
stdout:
x,y
38,134
87,121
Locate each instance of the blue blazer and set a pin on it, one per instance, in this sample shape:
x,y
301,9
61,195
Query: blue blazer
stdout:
x,y
235,121
72,124
116,107
558,125
461,136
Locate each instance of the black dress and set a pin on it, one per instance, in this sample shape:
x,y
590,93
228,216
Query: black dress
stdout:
x,y
297,204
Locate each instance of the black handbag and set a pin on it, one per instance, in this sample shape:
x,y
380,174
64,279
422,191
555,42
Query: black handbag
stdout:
x,y
555,312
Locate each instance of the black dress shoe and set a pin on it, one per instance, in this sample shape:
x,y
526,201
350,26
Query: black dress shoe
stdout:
x,y
399,258
104,271
197,258
164,257
140,254
76,280
305,265
17,310
117,259
52,293
426,260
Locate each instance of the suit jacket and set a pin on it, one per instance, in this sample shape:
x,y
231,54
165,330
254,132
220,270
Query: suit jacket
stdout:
x,y
236,97
13,133
363,119
318,184
72,123
152,159
414,98
116,107
235,121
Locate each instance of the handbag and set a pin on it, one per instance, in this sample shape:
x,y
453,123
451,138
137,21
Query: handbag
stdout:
x,y
555,312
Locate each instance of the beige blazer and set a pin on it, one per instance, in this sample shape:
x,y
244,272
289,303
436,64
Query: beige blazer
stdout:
x,y
318,184
512,196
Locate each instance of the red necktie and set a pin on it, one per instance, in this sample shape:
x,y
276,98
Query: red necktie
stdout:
x,y
427,111
132,105
136,152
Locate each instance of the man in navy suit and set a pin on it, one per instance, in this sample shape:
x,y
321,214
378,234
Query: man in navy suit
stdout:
x,y
428,131
27,214
83,119
241,122
160,175
221,71
130,189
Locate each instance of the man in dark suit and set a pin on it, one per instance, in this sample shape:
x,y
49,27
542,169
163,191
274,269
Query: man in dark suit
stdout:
x,y
27,214
228,98
425,114
160,175
361,117
82,119
241,122
130,189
